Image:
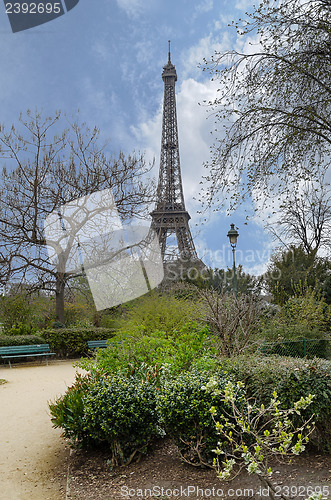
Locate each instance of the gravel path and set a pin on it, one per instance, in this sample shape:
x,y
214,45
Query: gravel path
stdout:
x,y
33,456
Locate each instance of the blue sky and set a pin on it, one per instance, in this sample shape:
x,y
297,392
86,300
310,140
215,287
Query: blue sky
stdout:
x,y
105,58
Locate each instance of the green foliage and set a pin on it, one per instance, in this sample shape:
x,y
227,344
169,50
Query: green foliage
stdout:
x,y
72,342
307,308
159,312
6,340
3,381
291,378
122,413
26,311
293,267
115,411
178,349
252,434
222,281
16,310
184,407
21,329
67,412
76,312
304,315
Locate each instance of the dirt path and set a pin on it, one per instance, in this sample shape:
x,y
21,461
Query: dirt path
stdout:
x,y
33,457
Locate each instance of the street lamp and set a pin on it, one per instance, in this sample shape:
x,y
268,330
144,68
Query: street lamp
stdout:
x,y
233,236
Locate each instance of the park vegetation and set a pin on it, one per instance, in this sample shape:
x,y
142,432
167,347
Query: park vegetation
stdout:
x,y
233,380
166,372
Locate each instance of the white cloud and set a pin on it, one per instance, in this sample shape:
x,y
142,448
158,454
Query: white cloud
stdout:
x,y
205,48
101,50
245,4
134,8
95,97
205,6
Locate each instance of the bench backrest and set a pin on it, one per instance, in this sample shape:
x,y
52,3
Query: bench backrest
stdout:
x,y
94,344
24,349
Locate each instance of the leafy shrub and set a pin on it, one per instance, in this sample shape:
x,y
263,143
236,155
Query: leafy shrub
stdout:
x,y
256,434
22,310
67,412
21,329
184,407
291,378
15,310
75,312
113,411
180,349
6,340
72,342
279,329
308,309
304,315
159,312
122,413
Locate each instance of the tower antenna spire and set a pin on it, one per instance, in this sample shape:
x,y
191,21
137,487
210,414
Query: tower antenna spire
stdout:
x,y
169,60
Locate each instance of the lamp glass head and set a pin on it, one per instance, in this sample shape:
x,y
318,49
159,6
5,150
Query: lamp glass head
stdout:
x,y
233,235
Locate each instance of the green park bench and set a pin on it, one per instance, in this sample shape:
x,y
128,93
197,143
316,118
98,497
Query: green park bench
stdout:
x,y
100,344
96,344
25,351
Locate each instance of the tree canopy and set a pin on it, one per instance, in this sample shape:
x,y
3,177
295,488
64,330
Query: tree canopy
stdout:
x,y
293,267
273,102
48,162
304,218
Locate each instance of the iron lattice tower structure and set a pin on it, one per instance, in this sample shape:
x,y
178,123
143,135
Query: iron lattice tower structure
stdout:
x,y
170,216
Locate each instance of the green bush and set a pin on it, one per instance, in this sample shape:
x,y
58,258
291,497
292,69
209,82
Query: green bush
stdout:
x,y
184,408
179,350
159,312
308,309
304,315
291,378
6,340
67,412
114,411
21,310
279,329
72,342
21,329
122,413
16,310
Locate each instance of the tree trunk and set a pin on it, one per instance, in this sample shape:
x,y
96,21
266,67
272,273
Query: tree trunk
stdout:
x,y
59,297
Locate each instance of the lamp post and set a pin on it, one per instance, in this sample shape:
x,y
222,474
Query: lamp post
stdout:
x,y
233,236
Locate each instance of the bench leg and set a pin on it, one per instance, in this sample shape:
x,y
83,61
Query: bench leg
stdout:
x,y
9,363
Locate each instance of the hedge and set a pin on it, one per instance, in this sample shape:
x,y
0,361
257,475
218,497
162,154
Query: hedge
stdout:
x,y
72,342
184,410
292,378
6,340
118,413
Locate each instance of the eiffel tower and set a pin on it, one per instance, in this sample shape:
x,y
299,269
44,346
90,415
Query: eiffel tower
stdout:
x,y
170,216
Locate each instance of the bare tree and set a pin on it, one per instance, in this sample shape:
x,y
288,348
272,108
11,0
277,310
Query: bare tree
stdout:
x,y
233,320
46,166
274,101
304,218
